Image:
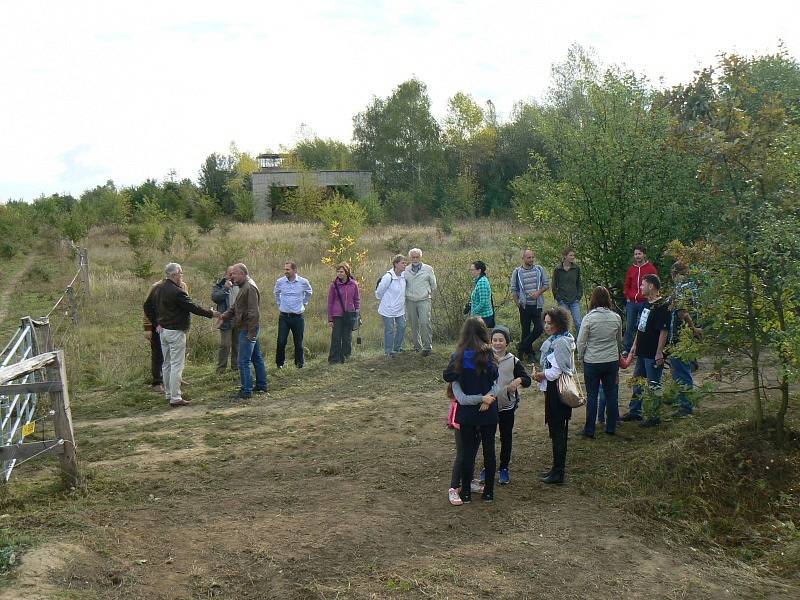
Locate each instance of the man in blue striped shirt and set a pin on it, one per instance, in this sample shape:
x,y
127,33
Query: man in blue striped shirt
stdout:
x,y
292,294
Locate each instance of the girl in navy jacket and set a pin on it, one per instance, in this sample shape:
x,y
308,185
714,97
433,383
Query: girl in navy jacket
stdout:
x,y
473,366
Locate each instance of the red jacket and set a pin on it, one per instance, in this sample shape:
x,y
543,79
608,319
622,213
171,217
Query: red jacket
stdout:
x,y
633,280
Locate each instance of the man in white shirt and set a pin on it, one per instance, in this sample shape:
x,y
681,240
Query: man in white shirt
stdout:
x,y
292,294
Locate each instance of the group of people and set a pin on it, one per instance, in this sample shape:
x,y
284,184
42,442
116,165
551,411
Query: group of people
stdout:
x,y
484,377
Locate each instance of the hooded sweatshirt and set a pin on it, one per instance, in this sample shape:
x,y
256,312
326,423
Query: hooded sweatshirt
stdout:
x,y
633,280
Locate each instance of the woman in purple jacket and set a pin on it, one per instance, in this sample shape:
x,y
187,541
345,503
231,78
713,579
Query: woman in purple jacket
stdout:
x,y
344,301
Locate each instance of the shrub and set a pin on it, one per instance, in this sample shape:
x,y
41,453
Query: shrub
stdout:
x,y
348,214
372,208
399,206
205,212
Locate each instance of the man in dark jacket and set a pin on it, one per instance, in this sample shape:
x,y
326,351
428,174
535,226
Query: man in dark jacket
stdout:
x,y
171,311
246,315
223,294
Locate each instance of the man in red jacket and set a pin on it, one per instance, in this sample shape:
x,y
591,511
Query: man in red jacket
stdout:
x,y
634,301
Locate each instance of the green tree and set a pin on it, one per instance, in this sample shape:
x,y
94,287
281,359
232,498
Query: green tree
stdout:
x,y
324,154
215,173
398,139
617,180
745,132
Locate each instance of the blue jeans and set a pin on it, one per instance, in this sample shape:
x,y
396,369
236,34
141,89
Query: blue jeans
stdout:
x,y
394,328
574,309
632,312
593,375
249,351
682,375
646,367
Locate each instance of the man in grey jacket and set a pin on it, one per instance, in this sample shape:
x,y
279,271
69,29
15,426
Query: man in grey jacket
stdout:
x,y
420,284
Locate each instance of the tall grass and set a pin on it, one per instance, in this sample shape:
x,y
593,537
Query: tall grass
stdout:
x,y
110,348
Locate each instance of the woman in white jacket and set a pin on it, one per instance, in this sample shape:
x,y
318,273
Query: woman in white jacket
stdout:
x,y
391,291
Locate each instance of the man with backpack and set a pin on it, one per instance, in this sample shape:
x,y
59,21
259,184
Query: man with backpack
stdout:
x,y
529,282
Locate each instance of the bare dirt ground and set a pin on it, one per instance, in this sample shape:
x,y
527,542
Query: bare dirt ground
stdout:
x,y
334,486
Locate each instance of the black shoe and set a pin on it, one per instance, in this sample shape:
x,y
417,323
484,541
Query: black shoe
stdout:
x,y
487,497
681,413
610,432
545,474
630,417
583,434
651,422
466,498
260,391
240,396
426,353
299,366
554,478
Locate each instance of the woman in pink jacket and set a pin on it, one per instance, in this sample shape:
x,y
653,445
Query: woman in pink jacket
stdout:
x,y
344,302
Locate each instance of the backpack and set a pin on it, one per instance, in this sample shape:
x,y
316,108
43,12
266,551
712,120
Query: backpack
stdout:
x,y
379,280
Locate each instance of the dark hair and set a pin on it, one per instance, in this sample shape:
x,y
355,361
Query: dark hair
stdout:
x,y
567,250
653,280
640,248
474,336
601,298
480,265
559,317
680,268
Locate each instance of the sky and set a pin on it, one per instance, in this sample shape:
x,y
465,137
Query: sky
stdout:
x,y
99,90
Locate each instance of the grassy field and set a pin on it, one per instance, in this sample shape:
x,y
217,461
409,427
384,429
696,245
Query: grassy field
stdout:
x,y
334,484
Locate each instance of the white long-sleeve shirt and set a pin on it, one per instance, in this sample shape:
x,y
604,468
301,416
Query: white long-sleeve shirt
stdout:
x,y
551,374
391,291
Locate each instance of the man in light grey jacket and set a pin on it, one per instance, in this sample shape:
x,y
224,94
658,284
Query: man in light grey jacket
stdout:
x,y
420,284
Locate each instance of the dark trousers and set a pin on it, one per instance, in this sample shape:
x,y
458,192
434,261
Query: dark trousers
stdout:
x,y
341,339
506,426
593,375
471,436
290,322
558,436
530,320
156,358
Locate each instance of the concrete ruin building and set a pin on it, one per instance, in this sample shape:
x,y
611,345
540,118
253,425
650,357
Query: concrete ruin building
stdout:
x,y
272,174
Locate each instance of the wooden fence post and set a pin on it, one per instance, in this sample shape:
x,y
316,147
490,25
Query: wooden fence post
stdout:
x,y
83,263
62,420
73,306
46,342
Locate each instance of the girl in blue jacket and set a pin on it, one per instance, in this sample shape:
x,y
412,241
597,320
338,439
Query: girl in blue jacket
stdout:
x,y
473,366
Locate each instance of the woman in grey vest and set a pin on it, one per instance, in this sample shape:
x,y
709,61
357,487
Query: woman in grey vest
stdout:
x,y
557,356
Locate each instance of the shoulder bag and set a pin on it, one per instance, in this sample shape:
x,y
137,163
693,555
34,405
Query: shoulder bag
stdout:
x,y
355,317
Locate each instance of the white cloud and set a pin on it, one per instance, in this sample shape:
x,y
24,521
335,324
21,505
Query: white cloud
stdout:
x,y
99,90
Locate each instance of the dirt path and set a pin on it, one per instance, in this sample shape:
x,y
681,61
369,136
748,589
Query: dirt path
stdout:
x,y
5,297
341,493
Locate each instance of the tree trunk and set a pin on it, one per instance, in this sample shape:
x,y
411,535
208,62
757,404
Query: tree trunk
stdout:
x,y
755,346
780,420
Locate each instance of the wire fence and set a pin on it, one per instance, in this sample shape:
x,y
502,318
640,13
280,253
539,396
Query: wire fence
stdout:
x,y
26,398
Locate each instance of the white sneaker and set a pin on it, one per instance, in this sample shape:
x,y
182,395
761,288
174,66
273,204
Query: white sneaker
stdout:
x,y
455,499
475,487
